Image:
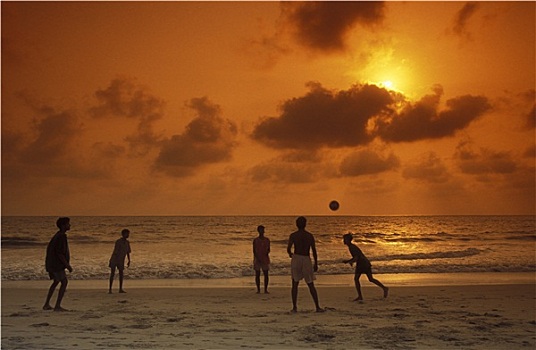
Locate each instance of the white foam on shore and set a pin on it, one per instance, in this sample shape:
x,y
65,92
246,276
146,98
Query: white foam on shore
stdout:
x,y
391,280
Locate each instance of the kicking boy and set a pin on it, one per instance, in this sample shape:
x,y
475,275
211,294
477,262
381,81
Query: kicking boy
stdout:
x,y
363,265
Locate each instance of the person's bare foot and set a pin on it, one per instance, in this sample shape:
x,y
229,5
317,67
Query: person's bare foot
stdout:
x,y
294,310
385,292
59,308
47,307
122,291
266,292
358,299
319,309
110,291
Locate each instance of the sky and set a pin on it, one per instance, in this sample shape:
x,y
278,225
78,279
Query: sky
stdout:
x,y
268,108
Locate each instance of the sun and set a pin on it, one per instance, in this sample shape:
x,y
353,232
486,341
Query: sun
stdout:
x,y
388,84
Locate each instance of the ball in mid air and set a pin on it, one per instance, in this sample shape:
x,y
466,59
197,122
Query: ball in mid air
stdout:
x,y
333,205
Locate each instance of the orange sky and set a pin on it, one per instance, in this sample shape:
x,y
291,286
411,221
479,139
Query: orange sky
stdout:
x,y
264,108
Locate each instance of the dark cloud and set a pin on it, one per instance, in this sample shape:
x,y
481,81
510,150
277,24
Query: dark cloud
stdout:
x,y
325,25
462,18
356,116
323,118
366,162
423,120
208,138
56,134
51,149
123,98
484,162
428,169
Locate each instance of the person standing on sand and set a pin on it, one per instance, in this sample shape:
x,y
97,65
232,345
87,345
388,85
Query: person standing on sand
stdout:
x,y
56,261
301,267
363,265
261,259
117,260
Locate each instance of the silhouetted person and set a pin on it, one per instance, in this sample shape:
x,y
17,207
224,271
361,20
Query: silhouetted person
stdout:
x,y
261,259
363,266
301,266
117,260
56,261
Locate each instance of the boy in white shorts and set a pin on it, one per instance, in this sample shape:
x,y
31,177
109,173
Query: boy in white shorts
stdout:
x,y
301,266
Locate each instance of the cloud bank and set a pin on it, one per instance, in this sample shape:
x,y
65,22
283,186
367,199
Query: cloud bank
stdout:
x,y
355,117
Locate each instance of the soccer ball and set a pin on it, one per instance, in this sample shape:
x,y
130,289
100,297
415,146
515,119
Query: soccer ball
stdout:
x,y
334,205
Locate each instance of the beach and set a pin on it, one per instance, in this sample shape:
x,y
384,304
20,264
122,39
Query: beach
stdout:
x,y
480,314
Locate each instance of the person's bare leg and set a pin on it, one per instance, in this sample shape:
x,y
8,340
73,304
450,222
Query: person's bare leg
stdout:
x,y
266,279
295,295
49,295
258,280
61,293
121,275
358,288
112,275
379,284
314,294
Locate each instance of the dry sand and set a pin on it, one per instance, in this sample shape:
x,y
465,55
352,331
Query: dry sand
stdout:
x,y
427,317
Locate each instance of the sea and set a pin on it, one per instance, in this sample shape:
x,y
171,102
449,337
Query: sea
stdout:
x,y
220,247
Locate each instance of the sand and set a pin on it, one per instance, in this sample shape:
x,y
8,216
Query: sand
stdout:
x,y
170,317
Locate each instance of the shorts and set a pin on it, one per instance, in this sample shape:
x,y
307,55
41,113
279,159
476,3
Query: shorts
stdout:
x,y
302,268
257,266
363,269
57,275
120,267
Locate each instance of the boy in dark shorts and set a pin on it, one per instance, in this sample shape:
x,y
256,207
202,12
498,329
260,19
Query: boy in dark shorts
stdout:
x,y
56,261
363,265
117,260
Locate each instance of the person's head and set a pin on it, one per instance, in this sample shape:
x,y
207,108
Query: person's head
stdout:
x,y
125,233
301,222
63,223
347,238
260,230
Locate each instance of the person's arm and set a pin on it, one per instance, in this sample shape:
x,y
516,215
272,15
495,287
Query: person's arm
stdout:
x,y
60,251
128,253
254,252
355,256
289,246
315,256
351,261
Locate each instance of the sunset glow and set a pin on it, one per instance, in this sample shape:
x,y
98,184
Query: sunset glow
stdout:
x,y
172,108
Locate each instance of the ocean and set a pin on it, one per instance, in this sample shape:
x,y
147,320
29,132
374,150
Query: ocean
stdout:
x,y
214,247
